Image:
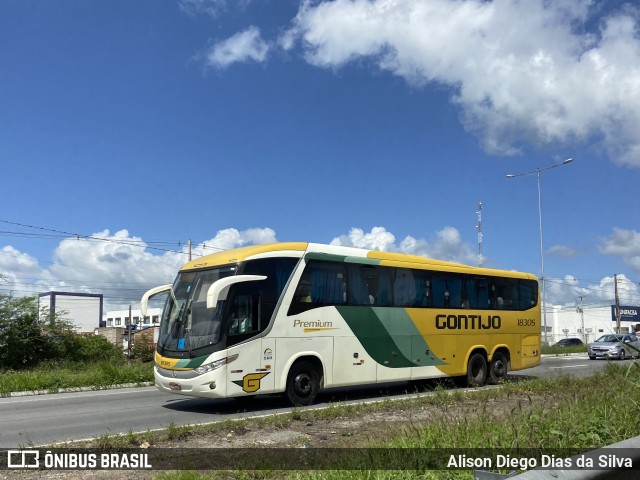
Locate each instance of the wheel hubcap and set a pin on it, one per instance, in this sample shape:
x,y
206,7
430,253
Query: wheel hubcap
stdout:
x,y
303,384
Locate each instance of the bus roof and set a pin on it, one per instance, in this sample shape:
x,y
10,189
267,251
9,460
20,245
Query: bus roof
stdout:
x,y
237,255
339,253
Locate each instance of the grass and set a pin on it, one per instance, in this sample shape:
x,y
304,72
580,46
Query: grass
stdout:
x,y
563,412
553,350
547,414
53,377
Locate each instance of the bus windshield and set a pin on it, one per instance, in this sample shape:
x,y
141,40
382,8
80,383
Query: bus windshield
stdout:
x,y
186,323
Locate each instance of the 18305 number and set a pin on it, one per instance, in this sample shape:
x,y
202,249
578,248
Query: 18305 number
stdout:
x,y
526,322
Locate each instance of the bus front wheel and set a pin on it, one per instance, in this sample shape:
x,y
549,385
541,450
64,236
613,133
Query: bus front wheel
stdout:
x,y
498,368
477,370
303,384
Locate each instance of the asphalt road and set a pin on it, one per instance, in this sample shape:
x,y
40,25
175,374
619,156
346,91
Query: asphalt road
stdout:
x,y
43,419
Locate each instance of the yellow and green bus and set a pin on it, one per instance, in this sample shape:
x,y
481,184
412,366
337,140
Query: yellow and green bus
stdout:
x,y
300,317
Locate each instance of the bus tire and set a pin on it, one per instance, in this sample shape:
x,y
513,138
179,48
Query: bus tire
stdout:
x,y
303,384
477,370
498,368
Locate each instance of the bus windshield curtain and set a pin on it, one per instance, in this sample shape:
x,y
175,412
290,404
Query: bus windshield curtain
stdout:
x,y
326,287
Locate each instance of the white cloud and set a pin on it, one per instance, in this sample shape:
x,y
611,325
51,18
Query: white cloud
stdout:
x,y
123,266
232,238
20,271
119,265
212,8
624,244
567,291
562,251
209,7
447,246
377,239
241,47
520,71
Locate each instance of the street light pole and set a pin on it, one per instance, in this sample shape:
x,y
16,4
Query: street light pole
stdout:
x,y
538,171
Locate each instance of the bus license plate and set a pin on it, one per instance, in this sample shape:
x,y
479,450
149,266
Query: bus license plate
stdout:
x,y
175,386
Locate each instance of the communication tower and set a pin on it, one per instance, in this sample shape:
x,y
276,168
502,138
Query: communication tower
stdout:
x,y
479,227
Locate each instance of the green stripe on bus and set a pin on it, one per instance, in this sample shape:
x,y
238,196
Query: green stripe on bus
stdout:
x,y
371,326
375,338
191,362
398,321
341,258
324,256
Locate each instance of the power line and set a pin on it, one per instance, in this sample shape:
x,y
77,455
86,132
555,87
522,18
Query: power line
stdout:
x,y
56,234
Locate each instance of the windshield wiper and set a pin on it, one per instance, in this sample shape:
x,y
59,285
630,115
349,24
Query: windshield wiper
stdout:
x,y
177,323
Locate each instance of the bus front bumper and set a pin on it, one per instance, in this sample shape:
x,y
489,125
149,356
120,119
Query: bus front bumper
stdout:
x,y
209,385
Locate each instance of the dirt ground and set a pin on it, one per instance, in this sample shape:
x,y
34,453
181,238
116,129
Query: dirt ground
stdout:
x,y
305,430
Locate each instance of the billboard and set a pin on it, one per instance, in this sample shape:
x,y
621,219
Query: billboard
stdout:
x,y
627,313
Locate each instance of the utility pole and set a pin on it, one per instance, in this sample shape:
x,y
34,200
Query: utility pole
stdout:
x,y
189,249
129,339
581,310
615,284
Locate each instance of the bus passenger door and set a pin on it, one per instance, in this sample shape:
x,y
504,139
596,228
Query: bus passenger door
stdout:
x,y
247,374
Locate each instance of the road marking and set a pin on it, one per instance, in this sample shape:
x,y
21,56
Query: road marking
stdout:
x,y
67,395
570,366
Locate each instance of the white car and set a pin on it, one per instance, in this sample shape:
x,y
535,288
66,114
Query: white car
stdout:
x,y
614,346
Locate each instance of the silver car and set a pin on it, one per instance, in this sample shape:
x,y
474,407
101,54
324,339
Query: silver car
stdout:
x,y
614,346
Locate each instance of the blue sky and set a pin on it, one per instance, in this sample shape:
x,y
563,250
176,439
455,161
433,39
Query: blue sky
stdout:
x,y
378,124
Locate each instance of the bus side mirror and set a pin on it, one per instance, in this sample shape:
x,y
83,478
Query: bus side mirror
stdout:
x,y
216,287
150,293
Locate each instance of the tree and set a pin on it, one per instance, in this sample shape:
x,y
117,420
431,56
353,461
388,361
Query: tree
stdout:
x,y
143,348
22,343
29,335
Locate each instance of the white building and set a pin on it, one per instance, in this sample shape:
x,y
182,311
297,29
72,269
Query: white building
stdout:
x,y
82,310
588,324
120,318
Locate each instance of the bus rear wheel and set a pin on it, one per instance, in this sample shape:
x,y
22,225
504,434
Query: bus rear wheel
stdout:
x,y
303,384
477,370
498,368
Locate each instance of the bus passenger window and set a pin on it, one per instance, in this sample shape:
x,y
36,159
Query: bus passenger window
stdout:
x,y
359,286
242,319
427,293
369,285
322,284
528,294
476,292
383,293
440,295
505,294
404,288
422,282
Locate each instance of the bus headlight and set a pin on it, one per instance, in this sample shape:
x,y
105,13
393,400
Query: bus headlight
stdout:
x,y
209,367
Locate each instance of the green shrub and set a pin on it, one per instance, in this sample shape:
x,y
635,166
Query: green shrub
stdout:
x,y
142,350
